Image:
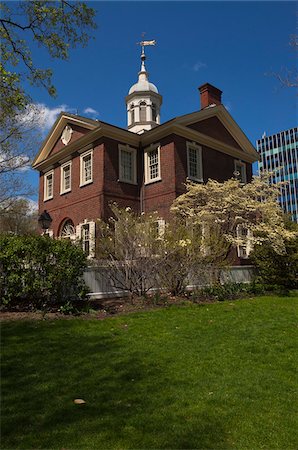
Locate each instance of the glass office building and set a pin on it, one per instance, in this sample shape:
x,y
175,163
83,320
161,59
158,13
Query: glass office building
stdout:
x,y
279,153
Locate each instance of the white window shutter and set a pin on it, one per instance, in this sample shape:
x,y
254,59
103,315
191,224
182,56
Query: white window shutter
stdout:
x,y
78,232
92,239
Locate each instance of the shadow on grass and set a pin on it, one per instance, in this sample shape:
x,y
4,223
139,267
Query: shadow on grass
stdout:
x,y
130,400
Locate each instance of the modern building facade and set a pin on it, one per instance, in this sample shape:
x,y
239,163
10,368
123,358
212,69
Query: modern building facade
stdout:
x,y
85,164
279,154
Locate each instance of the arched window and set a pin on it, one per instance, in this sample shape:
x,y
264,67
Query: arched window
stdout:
x,y
143,112
67,230
132,114
154,114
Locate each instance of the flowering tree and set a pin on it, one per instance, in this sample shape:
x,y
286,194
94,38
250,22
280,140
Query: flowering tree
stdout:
x,y
128,245
227,207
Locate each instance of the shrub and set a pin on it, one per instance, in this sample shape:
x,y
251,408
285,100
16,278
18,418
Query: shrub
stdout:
x,y
36,271
227,291
277,270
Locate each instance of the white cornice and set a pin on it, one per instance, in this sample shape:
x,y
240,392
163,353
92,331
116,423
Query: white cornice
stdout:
x,y
102,130
180,130
178,126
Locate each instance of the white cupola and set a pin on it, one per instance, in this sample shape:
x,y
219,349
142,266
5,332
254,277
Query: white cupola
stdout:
x,y
143,101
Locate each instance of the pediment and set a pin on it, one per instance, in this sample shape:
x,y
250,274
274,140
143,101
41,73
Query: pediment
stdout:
x,y
218,124
66,130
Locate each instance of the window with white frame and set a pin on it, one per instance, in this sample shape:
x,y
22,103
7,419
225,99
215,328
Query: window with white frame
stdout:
x,y
65,178
244,236
194,161
240,171
152,164
85,232
127,164
48,185
86,168
86,238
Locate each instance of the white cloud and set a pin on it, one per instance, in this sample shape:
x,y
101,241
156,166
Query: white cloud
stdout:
x,y
47,116
199,65
90,111
10,162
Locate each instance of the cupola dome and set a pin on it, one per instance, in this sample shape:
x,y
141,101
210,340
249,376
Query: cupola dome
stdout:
x,y
143,101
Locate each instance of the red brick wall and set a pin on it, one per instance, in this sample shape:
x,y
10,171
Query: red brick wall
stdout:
x,y
124,194
82,202
92,201
159,195
214,128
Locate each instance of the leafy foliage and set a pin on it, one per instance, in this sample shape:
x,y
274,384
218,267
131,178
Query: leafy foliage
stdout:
x,y
56,26
276,269
18,218
39,271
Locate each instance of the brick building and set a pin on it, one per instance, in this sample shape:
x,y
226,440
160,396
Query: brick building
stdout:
x,y
85,164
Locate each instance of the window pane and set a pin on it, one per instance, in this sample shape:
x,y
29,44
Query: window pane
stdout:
x,y
49,190
126,165
87,174
66,173
193,162
142,112
153,164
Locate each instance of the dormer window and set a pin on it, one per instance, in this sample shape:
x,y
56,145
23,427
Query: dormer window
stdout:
x,y
143,107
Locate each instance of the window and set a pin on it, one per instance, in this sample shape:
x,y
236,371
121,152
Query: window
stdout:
x,y
65,178
85,232
143,111
240,171
194,161
127,164
49,185
86,238
68,230
152,164
86,168
132,114
244,236
154,114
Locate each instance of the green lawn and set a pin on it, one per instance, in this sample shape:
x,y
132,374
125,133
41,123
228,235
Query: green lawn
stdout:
x,y
218,376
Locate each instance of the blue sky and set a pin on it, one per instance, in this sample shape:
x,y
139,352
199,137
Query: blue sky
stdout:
x,y
232,45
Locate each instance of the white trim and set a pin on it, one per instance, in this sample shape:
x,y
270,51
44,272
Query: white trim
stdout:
x,y
147,151
62,177
46,196
243,177
82,157
91,236
199,165
133,152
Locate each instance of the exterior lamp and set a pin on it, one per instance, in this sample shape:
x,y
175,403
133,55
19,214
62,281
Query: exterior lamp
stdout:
x,y
45,220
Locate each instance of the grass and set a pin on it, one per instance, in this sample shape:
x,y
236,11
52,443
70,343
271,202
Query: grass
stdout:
x,y
219,376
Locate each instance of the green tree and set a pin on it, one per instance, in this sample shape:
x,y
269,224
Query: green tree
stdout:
x,y
19,218
276,269
57,27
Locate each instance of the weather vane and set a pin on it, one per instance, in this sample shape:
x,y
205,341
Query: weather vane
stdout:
x,y
144,43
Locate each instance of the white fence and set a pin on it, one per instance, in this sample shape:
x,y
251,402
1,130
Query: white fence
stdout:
x,y
101,285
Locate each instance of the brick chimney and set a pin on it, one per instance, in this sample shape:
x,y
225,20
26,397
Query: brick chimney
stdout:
x,y
210,95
